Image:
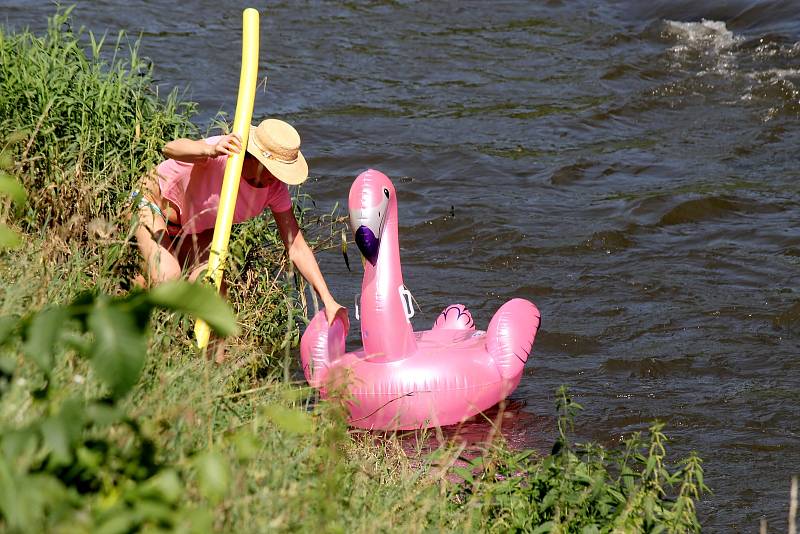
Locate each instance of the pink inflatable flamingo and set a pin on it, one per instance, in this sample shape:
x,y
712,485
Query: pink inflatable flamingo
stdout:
x,y
403,379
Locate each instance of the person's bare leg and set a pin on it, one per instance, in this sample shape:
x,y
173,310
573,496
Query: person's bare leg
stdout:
x,y
192,252
160,265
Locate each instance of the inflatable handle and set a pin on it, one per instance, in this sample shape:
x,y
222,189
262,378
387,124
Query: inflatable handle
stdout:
x,y
233,168
408,303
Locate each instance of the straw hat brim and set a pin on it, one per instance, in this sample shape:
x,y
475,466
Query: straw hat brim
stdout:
x,y
293,173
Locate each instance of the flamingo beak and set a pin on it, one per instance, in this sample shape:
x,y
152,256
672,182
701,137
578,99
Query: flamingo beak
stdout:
x,y
368,244
367,225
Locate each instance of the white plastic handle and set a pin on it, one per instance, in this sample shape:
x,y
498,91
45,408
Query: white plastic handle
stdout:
x,y
405,295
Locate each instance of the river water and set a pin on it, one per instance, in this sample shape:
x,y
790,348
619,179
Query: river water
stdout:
x,y
629,166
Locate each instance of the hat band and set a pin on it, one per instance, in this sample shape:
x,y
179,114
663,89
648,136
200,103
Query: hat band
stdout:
x,y
286,157
269,155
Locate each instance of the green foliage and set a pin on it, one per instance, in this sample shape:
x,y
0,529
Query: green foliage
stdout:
x,y
213,475
270,463
94,125
201,303
586,488
11,188
84,453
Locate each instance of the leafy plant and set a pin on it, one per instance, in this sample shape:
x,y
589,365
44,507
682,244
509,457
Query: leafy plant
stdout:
x,y
11,188
85,453
95,124
586,488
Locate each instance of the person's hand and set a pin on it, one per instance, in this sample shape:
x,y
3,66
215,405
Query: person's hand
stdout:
x,y
332,309
228,145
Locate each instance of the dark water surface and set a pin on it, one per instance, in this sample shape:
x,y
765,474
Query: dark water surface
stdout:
x,y
629,166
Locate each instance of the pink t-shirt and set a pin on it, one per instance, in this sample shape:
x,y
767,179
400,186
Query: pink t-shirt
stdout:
x,y
195,187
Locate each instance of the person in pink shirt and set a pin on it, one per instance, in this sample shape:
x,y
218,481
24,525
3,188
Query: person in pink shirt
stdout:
x,y
179,200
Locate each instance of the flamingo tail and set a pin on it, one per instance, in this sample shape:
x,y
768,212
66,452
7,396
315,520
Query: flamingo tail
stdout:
x,y
510,336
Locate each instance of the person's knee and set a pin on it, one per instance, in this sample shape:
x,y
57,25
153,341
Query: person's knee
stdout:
x,y
163,267
198,273
169,274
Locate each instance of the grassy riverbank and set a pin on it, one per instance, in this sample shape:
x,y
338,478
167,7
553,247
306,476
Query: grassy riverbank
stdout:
x,y
111,423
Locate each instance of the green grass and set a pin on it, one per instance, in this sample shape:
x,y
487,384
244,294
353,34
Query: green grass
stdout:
x,y
112,421
95,126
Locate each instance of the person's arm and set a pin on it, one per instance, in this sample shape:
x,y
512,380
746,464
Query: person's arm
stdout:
x,y
193,151
301,255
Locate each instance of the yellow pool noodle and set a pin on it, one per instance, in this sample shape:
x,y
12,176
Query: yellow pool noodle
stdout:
x,y
233,168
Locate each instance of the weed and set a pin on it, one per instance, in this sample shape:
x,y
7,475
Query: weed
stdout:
x,y
585,488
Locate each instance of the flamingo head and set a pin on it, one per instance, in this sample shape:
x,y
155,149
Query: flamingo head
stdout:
x,y
371,197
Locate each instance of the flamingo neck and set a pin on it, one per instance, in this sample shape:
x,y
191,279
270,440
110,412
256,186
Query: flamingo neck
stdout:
x,y
385,331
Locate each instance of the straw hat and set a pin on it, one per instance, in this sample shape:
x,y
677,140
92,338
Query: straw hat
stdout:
x,y
276,144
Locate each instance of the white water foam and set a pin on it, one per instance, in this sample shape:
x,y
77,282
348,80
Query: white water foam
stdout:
x,y
766,75
711,40
775,74
704,35
783,81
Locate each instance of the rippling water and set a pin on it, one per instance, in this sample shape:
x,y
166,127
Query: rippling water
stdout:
x,y
631,168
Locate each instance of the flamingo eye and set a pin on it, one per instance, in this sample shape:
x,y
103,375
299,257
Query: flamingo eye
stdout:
x,y
386,192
